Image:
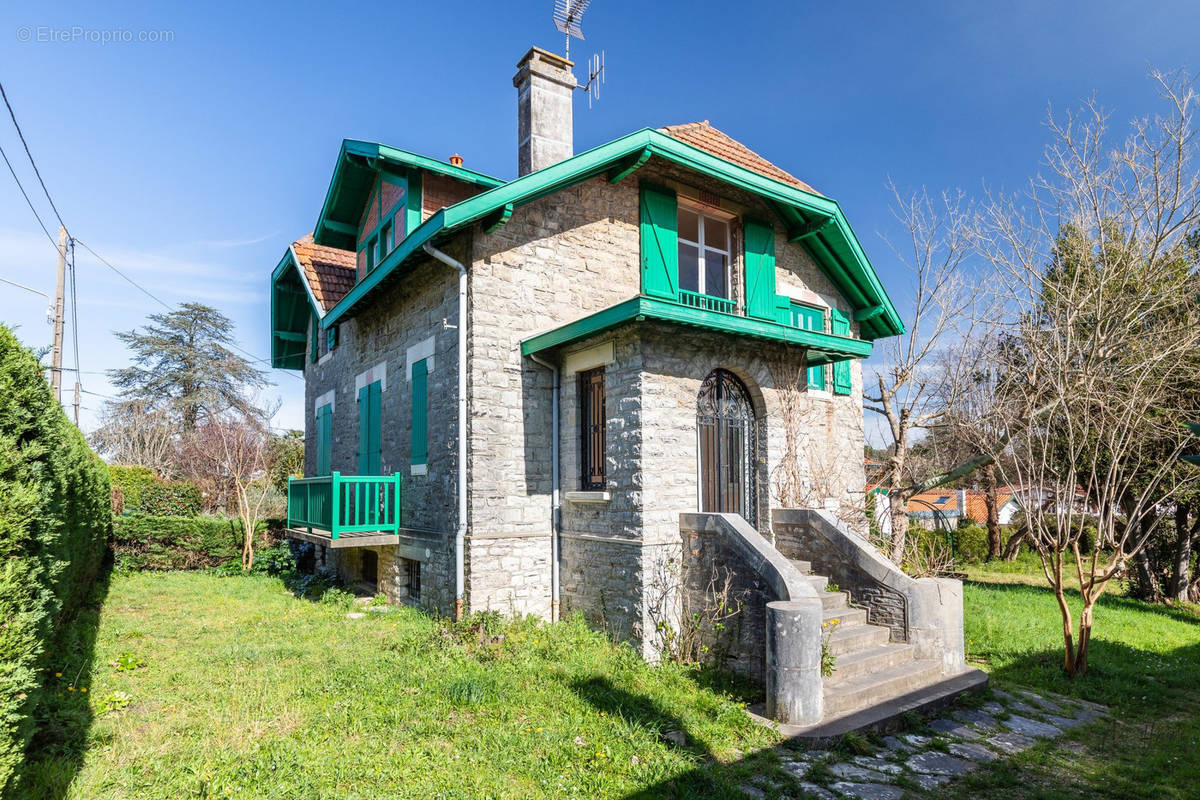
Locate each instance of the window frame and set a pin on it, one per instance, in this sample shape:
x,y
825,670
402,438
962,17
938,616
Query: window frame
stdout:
x,y
718,215
592,426
797,309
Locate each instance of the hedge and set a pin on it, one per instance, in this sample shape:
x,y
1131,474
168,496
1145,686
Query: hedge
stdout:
x,y
171,499
54,526
144,542
128,481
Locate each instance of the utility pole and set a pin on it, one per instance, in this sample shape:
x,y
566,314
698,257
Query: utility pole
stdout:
x,y
56,355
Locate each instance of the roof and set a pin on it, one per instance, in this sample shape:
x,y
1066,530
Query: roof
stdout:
x,y
947,503
706,137
812,219
330,272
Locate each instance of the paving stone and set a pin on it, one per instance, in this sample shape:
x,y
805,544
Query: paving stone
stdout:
x,y
854,772
954,728
1023,708
929,782
916,739
1003,695
972,752
894,745
868,791
1031,727
812,790
992,707
355,615
936,763
798,769
878,764
751,791
1088,715
1011,742
1066,723
981,719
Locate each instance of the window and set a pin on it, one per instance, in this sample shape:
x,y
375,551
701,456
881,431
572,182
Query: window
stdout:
x,y
420,413
385,240
810,318
372,244
591,430
370,400
703,253
412,570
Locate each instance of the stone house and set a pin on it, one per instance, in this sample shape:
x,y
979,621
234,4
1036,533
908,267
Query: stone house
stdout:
x,y
514,389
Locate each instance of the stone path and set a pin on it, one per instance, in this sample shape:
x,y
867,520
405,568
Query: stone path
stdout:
x,y
910,764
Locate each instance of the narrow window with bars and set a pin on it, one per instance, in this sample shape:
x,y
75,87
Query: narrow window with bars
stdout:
x,y
591,430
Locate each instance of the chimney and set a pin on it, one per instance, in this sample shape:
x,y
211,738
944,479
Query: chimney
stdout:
x,y
545,88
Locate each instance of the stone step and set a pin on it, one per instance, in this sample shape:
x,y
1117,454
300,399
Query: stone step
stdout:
x,y
819,582
862,691
869,661
846,616
856,638
803,566
830,600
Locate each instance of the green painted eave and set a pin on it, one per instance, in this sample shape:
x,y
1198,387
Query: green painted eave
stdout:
x,y
292,305
835,247
357,166
822,347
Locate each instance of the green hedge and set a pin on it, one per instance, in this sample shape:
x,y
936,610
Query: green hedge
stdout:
x,y
128,481
971,544
171,499
54,525
144,542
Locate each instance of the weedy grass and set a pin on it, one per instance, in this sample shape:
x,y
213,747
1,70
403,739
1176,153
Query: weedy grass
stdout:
x,y
244,689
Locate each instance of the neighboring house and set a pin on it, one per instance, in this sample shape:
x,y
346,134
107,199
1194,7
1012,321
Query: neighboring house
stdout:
x,y
945,508
533,379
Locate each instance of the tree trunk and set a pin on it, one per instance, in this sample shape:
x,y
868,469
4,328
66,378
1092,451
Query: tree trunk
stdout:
x,y
995,544
1181,568
1146,580
1085,638
1013,548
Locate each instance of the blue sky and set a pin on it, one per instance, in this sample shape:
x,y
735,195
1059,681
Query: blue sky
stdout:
x,y
192,163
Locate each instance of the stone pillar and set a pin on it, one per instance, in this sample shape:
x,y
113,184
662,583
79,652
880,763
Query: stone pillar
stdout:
x,y
935,622
545,89
794,685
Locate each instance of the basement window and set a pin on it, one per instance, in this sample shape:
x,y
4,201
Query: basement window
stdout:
x,y
704,253
412,570
370,567
592,457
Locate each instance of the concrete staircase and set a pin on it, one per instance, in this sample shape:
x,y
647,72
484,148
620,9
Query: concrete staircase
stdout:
x,y
874,679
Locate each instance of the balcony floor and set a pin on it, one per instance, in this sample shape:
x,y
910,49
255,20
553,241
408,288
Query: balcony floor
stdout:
x,y
357,539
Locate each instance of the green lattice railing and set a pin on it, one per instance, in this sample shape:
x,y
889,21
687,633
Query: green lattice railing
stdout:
x,y
346,503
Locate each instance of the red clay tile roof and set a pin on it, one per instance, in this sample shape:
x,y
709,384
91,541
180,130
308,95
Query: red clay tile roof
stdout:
x,y
976,504
331,272
706,137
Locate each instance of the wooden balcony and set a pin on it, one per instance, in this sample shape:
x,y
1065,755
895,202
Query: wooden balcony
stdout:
x,y
346,510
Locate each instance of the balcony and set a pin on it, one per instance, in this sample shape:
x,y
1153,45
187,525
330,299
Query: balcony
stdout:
x,y
346,510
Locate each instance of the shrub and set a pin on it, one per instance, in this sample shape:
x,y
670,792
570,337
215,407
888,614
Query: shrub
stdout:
x,y
144,542
971,544
54,524
171,499
129,481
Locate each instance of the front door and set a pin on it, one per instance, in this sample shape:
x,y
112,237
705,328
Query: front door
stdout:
x,y
725,428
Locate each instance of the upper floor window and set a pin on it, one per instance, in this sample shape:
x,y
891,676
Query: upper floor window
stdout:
x,y
704,253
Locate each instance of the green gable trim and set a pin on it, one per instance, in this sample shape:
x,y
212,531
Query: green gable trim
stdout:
x,y
293,306
834,246
823,348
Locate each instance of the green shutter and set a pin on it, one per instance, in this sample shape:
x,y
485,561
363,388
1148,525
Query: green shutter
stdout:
x,y
760,269
809,318
420,412
660,242
331,337
840,326
369,428
324,439
316,332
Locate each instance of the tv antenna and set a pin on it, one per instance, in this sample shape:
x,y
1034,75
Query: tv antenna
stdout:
x,y
568,18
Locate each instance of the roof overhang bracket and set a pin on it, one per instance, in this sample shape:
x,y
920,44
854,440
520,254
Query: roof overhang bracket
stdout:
x,y
628,165
864,314
496,220
810,228
339,227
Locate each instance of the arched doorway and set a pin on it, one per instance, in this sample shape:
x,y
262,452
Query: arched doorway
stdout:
x,y
725,428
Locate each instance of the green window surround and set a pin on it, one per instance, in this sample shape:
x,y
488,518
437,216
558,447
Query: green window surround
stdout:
x,y
840,326
324,439
392,224
811,318
420,413
659,242
370,428
760,269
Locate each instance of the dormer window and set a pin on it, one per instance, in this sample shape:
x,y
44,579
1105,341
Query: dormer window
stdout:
x,y
704,253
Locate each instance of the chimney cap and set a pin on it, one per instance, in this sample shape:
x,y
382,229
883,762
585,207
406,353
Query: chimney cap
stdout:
x,y
538,54
456,160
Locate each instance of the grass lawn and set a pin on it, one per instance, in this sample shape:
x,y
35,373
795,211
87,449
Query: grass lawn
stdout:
x,y
248,691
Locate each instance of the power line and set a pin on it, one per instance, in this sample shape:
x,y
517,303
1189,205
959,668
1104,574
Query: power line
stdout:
x,y
36,172
45,230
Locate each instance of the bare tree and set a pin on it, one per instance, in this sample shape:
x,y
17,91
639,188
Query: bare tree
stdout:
x,y
135,432
1106,327
921,372
235,450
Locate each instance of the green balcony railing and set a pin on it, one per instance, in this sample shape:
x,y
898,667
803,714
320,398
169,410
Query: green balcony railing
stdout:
x,y
346,503
707,302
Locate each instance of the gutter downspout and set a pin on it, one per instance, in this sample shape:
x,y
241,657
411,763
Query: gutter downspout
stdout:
x,y
555,503
460,535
